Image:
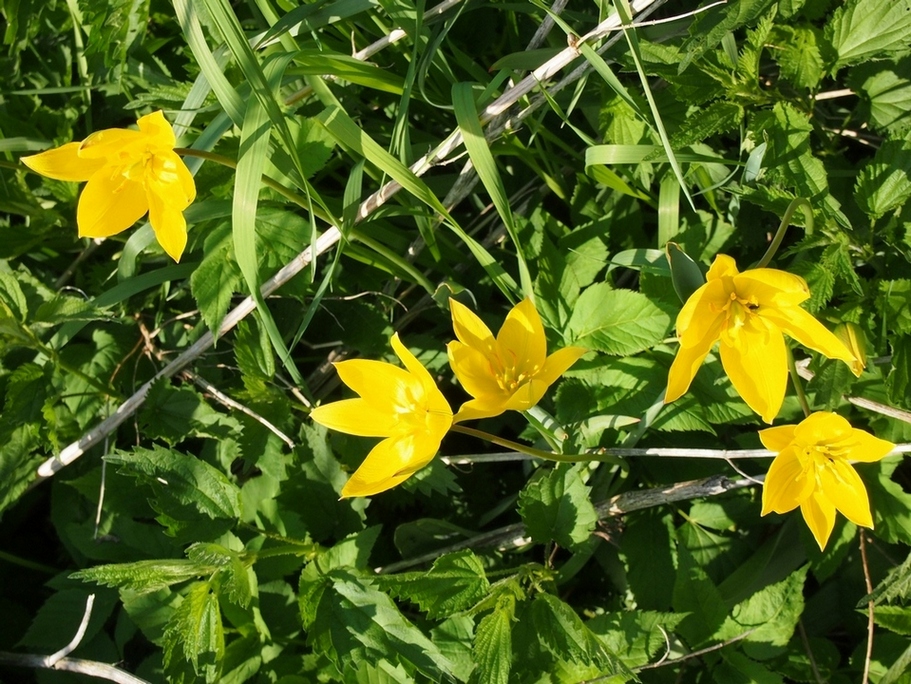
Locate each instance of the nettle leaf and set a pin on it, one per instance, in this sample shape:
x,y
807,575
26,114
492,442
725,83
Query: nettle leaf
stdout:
x,y
215,281
455,582
356,621
567,637
183,479
62,309
696,594
493,644
894,304
556,507
862,30
885,94
18,463
237,579
884,184
799,55
894,618
890,504
770,615
195,634
898,382
897,584
620,322
172,413
636,636
145,576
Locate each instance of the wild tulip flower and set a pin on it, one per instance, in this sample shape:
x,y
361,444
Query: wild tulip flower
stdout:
x,y
813,470
129,173
509,372
748,313
401,404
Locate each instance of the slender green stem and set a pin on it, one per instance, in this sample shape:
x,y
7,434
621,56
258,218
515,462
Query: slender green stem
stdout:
x,y
783,227
395,259
25,563
798,383
531,451
13,165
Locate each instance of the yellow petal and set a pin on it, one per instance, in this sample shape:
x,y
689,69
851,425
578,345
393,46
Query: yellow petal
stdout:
x,y
380,384
526,395
843,487
865,448
473,370
484,407
558,363
356,417
168,223
110,203
521,342
722,266
390,463
822,427
771,287
158,129
787,484
819,514
63,163
702,314
173,180
777,438
803,327
112,145
755,360
687,362
411,363
471,330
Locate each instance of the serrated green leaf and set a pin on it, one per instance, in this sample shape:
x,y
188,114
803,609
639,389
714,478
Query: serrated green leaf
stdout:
x,y
894,618
146,576
618,322
799,54
897,584
885,182
493,645
18,463
456,581
195,633
885,92
861,30
770,615
894,304
566,636
636,636
182,478
557,507
696,594
213,284
898,382
890,504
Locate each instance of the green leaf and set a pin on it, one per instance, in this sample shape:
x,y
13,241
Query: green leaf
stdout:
x,y
884,183
694,593
686,274
862,30
556,506
325,63
566,636
183,479
898,382
18,463
493,645
172,413
456,581
899,669
897,584
799,56
214,282
770,615
885,92
195,633
894,304
894,618
890,504
620,322
636,636
145,576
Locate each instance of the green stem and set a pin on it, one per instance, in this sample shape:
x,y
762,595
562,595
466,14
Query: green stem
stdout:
x,y
798,383
25,563
13,165
785,222
531,451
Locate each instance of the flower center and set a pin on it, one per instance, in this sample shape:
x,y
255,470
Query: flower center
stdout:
x,y
511,375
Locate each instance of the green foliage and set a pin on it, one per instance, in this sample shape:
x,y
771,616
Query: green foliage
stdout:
x,y
557,507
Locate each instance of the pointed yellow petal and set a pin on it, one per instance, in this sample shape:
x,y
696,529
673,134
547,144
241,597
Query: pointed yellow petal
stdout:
x,y
787,483
819,514
390,463
473,370
771,287
380,384
558,363
701,315
485,407
843,487
172,180
169,225
863,447
63,163
756,362
110,204
521,341
777,438
822,427
722,266
471,330
356,417
803,327
411,363
686,363
112,145
158,129
526,395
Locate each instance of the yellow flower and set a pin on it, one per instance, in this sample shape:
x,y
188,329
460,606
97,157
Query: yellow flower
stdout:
x,y
748,312
812,470
402,405
509,372
129,173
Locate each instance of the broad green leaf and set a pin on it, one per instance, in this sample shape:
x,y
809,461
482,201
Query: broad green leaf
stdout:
x,y
172,413
635,636
897,584
195,633
800,56
556,506
769,616
566,636
861,30
890,504
884,183
694,593
618,322
18,463
493,645
325,63
885,90
145,576
455,582
898,382
214,282
899,669
182,478
894,618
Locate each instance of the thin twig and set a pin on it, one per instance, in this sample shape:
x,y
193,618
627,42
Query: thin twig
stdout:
x,y
512,536
869,584
77,638
809,651
78,665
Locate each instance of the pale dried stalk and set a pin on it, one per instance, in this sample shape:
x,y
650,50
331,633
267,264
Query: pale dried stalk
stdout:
x,y
323,243
512,536
91,668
